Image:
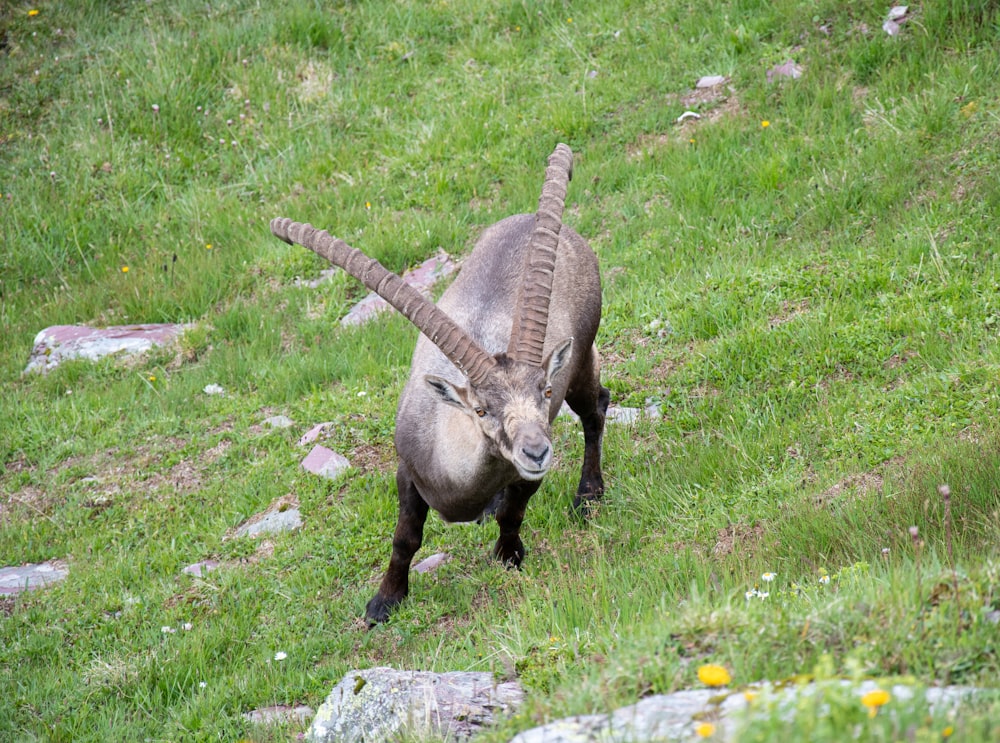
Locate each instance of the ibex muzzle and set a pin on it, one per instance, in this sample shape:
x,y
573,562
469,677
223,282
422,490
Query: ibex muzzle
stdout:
x,y
507,343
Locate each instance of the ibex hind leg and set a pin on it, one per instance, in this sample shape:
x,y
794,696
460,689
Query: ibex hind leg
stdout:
x,y
405,543
590,402
510,513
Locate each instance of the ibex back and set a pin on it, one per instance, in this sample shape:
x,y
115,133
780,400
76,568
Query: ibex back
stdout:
x,y
508,342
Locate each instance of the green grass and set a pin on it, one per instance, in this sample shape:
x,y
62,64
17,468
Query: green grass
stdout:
x,y
814,304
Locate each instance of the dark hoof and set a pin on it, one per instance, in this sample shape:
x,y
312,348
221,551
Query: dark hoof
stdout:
x,y
379,609
510,554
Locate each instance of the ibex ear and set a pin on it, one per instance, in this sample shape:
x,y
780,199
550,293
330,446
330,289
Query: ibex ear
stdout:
x,y
559,359
449,393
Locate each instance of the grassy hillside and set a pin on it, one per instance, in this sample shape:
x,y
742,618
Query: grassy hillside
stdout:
x,y
805,280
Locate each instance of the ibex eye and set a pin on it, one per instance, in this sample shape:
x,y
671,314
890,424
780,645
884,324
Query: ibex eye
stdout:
x,y
480,412
548,392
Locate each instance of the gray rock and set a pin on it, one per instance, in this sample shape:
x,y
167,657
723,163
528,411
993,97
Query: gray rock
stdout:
x,y
674,717
60,342
623,415
272,522
28,577
380,704
710,81
278,421
325,463
279,714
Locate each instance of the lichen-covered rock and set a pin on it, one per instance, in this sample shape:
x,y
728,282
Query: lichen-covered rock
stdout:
x,y
60,342
28,577
379,704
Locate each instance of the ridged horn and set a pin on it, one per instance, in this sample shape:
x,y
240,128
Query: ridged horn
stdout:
x,y
527,334
470,358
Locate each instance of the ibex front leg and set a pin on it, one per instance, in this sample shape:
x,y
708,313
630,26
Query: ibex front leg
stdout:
x,y
405,543
510,513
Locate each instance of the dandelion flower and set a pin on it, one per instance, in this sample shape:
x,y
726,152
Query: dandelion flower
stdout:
x,y
947,732
704,729
152,378
713,675
569,20
32,13
765,124
280,655
767,577
124,269
208,246
875,699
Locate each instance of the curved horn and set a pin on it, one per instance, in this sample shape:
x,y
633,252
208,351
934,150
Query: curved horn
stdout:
x,y
470,358
527,334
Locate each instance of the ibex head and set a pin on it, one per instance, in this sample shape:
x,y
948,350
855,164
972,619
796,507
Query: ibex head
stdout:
x,y
510,407
507,396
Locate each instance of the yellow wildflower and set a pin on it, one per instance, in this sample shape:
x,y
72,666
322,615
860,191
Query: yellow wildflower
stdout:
x,y
947,732
208,246
32,13
713,675
765,124
875,699
705,729
124,269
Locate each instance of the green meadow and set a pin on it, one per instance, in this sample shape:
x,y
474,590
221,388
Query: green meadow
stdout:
x,y
804,281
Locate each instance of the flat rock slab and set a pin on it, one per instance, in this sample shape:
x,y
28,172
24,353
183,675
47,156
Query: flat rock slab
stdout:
x,y
14,580
325,462
788,69
272,522
279,715
382,704
674,717
60,342
710,81
422,278
278,421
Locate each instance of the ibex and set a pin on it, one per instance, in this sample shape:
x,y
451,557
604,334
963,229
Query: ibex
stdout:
x,y
509,340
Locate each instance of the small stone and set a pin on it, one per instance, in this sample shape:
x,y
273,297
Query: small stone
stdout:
x,y
199,569
710,81
898,12
314,433
278,421
325,463
788,69
273,522
623,415
891,28
431,563
14,580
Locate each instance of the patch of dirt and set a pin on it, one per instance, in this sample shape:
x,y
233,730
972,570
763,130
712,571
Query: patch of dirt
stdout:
x,y
738,537
860,483
899,359
371,458
789,311
6,606
711,105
